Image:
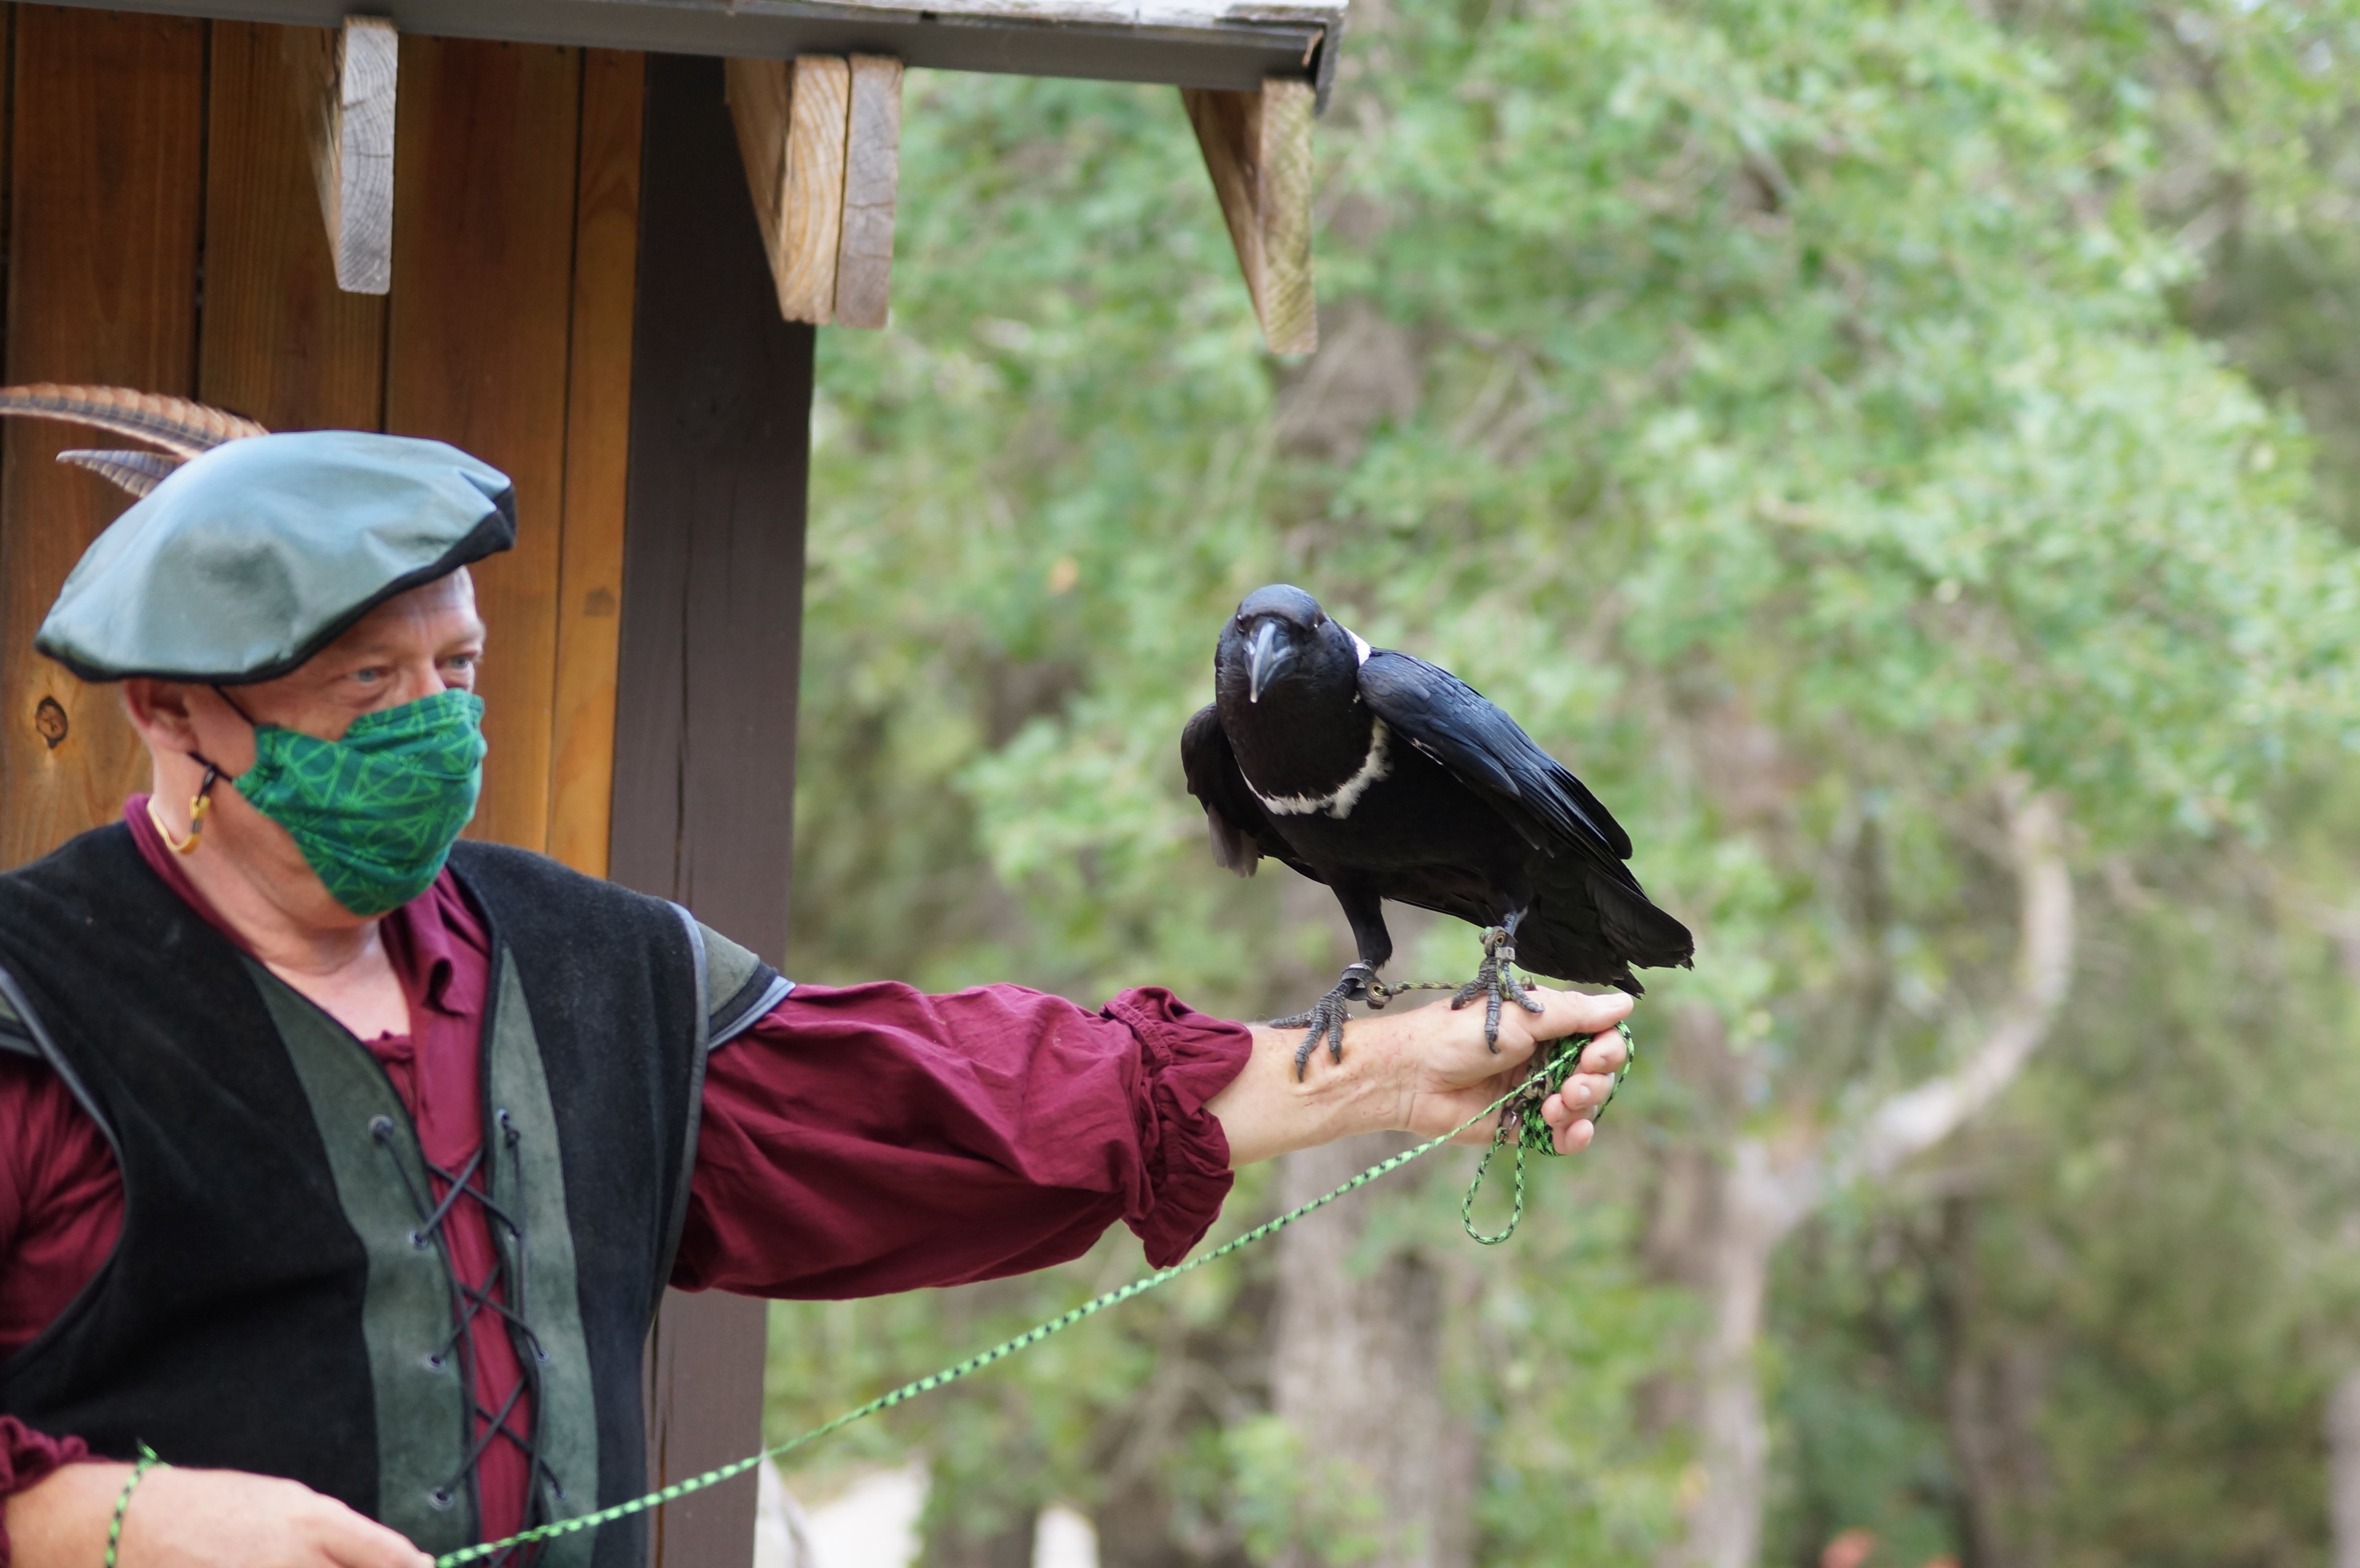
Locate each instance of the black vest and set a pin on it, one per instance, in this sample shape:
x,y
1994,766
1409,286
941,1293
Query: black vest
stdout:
x,y
271,1305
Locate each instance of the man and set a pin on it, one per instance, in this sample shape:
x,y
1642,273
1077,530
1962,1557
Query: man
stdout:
x,y
345,1163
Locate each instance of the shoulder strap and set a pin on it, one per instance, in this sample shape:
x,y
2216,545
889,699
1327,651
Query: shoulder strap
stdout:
x,y
16,1036
739,988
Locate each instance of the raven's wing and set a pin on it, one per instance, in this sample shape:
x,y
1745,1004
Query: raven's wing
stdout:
x,y
1487,751
1242,829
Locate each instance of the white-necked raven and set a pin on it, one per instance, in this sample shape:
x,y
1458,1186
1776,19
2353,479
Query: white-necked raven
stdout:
x,y
1386,777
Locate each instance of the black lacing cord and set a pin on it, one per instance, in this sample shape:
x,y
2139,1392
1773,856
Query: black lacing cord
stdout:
x,y
467,1303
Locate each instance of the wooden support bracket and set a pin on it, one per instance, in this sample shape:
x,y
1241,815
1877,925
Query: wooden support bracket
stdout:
x,y
347,75
821,136
1258,149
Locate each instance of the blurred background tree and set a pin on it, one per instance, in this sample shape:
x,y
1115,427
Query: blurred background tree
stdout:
x,y
1906,459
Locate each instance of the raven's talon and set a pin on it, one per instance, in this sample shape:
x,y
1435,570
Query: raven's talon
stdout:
x,y
1495,981
1327,1016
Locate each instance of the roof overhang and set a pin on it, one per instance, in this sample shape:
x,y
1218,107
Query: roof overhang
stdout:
x,y
1183,43
815,90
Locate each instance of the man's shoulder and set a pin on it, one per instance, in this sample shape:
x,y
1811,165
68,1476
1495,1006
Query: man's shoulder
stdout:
x,y
99,867
91,909
99,850
570,912
518,885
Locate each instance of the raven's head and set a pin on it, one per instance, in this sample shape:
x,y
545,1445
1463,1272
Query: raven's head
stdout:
x,y
1280,632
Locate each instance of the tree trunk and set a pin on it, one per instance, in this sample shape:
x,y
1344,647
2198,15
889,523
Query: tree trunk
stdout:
x,y
1724,1522
1357,1375
2343,1469
1712,1225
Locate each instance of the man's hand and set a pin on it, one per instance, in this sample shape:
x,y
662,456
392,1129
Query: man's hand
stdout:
x,y
1423,1071
1451,1073
195,1519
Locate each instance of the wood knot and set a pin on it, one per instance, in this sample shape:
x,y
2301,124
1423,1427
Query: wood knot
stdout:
x,y
50,718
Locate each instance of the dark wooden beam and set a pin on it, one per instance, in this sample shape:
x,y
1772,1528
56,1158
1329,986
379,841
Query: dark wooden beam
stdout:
x,y
1183,45
704,802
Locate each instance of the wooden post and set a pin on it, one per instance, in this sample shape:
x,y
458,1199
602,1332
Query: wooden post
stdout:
x,y
703,803
348,75
1257,148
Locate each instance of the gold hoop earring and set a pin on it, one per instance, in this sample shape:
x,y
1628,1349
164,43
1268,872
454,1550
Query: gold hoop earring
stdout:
x,y
199,804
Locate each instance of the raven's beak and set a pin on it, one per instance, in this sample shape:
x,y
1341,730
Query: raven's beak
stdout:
x,y
1269,655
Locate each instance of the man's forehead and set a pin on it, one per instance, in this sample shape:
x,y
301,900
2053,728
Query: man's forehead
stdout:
x,y
441,611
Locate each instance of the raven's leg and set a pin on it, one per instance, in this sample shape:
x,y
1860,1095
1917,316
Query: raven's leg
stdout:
x,y
1365,910
1496,980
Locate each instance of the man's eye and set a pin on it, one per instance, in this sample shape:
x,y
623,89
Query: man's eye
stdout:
x,y
370,677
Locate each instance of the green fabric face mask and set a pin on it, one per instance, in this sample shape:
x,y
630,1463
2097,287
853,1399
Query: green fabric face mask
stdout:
x,y
375,813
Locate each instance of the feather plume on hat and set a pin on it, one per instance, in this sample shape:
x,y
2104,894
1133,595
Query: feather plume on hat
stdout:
x,y
183,428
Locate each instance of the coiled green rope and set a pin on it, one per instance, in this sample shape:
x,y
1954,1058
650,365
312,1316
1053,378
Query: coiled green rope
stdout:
x,y
1533,1135
1522,1103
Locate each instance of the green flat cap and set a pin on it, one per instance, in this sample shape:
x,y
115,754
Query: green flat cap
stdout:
x,y
246,561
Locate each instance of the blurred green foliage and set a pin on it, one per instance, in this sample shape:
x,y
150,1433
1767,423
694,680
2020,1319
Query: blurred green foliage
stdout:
x,y
1808,418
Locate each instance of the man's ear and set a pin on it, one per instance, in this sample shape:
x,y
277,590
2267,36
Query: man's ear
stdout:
x,y
160,712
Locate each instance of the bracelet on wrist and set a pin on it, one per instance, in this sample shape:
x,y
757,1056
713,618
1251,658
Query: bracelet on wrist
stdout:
x,y
147,1461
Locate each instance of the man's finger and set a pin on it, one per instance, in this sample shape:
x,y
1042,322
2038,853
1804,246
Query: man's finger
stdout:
x,y
1587,1091
1576,1012
1605,1053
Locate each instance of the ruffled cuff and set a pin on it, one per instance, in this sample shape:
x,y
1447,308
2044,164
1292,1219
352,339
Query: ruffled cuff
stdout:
x,y
27,1456
1189,1057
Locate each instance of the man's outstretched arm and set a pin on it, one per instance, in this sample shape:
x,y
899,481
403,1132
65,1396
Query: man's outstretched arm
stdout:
x,y
874,1139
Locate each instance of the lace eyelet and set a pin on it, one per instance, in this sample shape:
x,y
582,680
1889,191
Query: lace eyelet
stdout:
x,y
441,1497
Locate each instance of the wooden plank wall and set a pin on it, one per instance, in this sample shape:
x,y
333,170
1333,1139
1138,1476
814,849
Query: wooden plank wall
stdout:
x,y
712,634
164,232
98,290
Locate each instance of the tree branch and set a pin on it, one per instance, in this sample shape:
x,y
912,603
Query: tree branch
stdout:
x,y
1917,1119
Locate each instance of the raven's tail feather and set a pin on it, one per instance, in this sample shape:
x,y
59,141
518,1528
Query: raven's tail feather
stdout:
x,y
1593,930
1639,931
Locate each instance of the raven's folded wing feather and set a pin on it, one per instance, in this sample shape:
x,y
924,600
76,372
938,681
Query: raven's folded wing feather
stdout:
x,y
1240,829
1489,753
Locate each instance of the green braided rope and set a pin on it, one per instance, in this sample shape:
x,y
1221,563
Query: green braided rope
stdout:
x,y
1533,1135
147,1461
1040,1332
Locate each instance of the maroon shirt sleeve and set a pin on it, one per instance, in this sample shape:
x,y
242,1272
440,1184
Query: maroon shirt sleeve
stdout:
x,y
873,1138
61,1201
27,1456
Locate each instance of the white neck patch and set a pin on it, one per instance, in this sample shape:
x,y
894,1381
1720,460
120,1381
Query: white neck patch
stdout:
x,y
1339,801
1359,645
